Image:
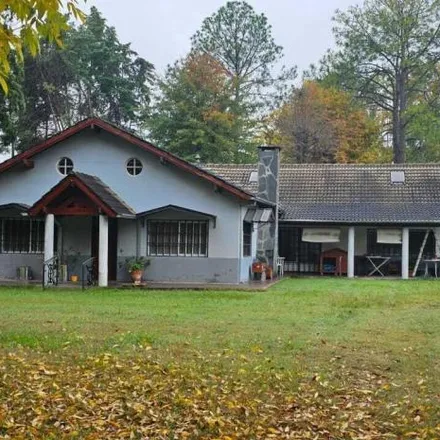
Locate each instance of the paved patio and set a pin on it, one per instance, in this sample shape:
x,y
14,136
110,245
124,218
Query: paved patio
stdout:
x,y
252,286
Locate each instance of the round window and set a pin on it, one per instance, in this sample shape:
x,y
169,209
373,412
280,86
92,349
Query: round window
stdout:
x,y
134,167
65,166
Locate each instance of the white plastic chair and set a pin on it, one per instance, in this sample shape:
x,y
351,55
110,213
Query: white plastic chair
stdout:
x,y
279,263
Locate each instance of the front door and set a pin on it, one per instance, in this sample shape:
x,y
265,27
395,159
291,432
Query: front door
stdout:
x,y
112,245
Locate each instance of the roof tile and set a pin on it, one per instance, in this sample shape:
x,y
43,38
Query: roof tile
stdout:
x,y
351,193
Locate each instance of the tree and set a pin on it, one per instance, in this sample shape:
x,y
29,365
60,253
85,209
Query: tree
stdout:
x,y
92,75
388,54
241,40
12,106
111,81
322,125
194,116
25,22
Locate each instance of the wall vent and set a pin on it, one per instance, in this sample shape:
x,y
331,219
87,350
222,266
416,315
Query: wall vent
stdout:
x,y
397,177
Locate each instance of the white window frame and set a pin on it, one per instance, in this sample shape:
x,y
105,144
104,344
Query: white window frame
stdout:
x,y
137,166
33,223
182,224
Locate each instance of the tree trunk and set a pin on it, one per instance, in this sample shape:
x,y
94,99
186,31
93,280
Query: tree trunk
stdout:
x,y
399,125
398,142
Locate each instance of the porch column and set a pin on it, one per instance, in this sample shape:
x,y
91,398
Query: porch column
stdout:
x,y
49,234
405,253
103,251
350,260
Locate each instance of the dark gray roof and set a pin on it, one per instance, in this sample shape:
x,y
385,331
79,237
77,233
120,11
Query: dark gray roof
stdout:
x,y
13,209
22,207
350,193
106,194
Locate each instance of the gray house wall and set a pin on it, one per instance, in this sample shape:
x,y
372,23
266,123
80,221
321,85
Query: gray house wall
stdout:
x,y
211,269
10,262
76,244
105,156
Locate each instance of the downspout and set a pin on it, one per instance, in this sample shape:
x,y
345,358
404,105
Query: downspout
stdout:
x,y
240,242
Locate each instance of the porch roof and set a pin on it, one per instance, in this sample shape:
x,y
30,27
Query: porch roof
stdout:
x,y
362,213
102,196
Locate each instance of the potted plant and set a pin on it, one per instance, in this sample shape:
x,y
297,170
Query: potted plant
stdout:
x,y
135,267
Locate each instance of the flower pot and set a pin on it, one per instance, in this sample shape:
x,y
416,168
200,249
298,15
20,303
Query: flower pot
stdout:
x,y
136,276
74,278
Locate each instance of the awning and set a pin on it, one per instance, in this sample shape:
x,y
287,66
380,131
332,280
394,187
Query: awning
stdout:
x,y
321,235
257,215
390,236
178,209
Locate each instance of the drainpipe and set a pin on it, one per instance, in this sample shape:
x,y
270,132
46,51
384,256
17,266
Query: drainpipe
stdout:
x,y
240,242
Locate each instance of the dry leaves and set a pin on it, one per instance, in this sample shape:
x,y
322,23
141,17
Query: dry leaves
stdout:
x,y
117,397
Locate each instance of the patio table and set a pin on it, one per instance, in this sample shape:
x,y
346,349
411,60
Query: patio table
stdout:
x,y
433,261
377,261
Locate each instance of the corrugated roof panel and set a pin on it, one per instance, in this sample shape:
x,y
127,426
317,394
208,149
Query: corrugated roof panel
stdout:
x,y
256,215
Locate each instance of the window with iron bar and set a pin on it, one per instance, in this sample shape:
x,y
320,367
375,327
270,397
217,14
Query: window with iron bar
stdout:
x,y
247,239
185,238
21,236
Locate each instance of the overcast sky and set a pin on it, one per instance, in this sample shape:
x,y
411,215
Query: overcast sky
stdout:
x,y
160,30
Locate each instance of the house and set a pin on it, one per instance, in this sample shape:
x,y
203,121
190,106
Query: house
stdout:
x,y
385,216
95,191
95,195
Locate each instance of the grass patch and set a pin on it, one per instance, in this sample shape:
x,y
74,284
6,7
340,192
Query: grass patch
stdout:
x,y
335,358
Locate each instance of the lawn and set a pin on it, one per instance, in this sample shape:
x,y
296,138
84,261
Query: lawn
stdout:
x,y
310,358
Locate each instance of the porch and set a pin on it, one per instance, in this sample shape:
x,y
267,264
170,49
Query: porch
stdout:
x,y
82,217
359,251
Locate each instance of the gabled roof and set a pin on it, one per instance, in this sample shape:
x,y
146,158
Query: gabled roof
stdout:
x,y
100,194
334,193
26,156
